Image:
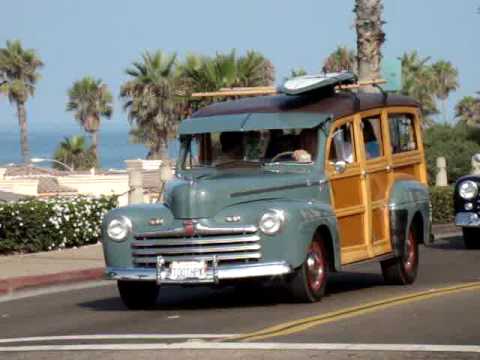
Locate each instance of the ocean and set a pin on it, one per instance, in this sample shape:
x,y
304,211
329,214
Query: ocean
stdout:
x,y
114,147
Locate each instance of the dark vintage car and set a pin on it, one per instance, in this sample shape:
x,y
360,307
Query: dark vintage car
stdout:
x,y
467,209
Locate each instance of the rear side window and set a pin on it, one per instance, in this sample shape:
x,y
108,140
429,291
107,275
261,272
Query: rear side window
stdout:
x,y
402,133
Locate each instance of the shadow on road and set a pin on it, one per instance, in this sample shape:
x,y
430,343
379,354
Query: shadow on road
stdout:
x,y
202,298
449,243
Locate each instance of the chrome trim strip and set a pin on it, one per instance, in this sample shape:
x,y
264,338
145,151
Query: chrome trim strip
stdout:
x,y
221,257
278,188
196,250
222,273
467,219
199,230
194,241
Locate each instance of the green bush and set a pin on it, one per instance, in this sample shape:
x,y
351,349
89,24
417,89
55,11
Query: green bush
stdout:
x,y
39,225
442,204
456,143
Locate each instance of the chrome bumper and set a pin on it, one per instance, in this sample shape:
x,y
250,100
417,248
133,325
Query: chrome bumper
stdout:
x,y
214,275
467,219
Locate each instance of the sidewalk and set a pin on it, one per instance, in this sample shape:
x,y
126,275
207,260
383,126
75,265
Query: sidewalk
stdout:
x,y
19,272
48,268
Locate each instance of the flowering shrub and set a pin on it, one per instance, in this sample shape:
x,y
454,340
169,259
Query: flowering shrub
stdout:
x,y
39,225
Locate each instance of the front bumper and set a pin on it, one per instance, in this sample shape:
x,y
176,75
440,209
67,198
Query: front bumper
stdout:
x,y
214,274
467,219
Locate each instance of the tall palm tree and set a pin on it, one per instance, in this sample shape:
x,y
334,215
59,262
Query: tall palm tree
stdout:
x,y
418,81
149,98
370,37
467,111
446,76
74,152
90,100
19,74
342,59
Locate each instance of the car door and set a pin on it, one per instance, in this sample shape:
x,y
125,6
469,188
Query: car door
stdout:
x,y
377,172
348,194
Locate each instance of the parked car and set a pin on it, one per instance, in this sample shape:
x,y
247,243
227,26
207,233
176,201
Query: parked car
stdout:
x,y
290,187
467,208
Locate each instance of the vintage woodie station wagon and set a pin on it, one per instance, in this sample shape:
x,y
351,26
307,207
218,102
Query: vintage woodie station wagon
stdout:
x,y
289,187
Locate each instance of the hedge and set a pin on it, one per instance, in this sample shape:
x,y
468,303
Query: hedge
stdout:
x,y
39,225
442,204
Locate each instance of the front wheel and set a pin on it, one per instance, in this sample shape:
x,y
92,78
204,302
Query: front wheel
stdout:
x,y
308,282
138,294
403,270
471,238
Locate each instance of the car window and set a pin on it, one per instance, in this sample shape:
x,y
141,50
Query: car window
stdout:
x,y
372,137
344,148
402,133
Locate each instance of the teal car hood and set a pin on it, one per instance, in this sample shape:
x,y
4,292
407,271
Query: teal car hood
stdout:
x,y
206,196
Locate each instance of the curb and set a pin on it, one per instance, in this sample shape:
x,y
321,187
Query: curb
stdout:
x,y
8,286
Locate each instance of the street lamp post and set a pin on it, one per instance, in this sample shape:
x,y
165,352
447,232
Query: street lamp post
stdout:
x,y
39,160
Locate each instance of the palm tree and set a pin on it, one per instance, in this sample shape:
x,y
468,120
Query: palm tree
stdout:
x,y
418,81
446,76
342,59
149,98
254,69
370,38
19,75
467,111
90,100
73,152
202,73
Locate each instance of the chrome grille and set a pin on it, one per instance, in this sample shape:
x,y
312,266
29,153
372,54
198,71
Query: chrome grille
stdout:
x,y
227,244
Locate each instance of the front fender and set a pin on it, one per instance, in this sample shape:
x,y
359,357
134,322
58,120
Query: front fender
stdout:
x,y
302,220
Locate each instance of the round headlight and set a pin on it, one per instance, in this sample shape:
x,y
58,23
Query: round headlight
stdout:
x,y
119,228
271,222
468,189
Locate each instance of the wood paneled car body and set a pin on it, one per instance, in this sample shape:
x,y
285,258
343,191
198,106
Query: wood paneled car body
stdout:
x,y
291,187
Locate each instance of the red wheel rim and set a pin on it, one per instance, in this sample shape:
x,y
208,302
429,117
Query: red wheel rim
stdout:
x,y
315,266
411,253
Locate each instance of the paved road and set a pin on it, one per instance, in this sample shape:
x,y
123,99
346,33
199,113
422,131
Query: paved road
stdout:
x,y
448,317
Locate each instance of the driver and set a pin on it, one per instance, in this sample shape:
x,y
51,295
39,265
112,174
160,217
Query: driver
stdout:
x,y
232,147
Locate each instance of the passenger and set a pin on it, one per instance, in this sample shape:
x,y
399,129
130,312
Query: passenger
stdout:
x,y
232,147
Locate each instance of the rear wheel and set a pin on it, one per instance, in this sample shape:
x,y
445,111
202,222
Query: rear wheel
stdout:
x,y
138,294
403,270
308,282
471,238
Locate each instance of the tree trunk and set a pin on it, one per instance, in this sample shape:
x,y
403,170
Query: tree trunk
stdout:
x,y
444,110
159,151
22,122
370,38
95,148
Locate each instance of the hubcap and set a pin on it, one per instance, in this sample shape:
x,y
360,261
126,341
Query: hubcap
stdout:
x,y
410,256
316,267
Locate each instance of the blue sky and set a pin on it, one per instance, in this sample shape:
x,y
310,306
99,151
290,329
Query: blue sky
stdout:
x,y
102,38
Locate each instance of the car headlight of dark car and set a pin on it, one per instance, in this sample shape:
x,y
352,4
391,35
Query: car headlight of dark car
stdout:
x,y
468,189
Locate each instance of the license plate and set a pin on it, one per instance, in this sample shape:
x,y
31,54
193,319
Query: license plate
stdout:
x,y
186,270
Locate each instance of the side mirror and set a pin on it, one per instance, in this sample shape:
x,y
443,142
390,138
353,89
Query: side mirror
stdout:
x,y
340,166
476,157
339,142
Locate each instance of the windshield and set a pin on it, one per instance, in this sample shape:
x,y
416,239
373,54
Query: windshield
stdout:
x,y
251,148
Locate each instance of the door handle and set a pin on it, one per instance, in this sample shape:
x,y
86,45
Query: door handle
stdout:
x,y
388,168
363,174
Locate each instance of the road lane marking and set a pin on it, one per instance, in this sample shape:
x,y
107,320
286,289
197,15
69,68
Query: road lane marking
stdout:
x,y
115,337
299,325
248,346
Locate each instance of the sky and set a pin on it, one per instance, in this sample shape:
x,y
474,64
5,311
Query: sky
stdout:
x,y
101,38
